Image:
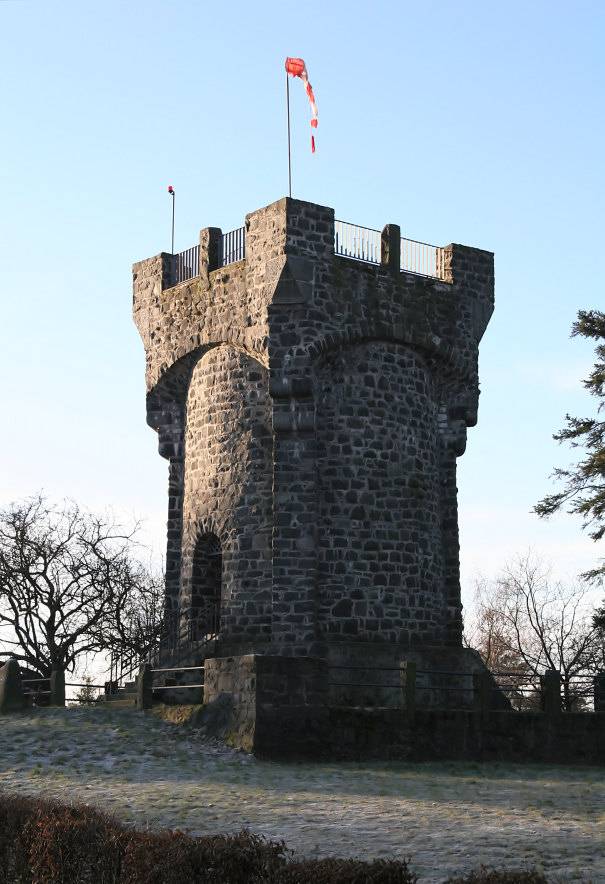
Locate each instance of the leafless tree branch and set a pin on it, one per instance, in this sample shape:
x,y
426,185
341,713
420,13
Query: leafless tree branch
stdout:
x,y
71,584
525,622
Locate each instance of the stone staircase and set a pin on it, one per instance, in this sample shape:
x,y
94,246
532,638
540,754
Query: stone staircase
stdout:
x,y
188,637
182,669
125,695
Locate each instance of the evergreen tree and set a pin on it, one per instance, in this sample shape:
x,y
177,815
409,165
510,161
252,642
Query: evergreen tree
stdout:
x,y
584,485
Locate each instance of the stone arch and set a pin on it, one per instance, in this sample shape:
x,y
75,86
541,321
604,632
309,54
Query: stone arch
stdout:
x,y
450,370
228,484
167,414
378,330
173,383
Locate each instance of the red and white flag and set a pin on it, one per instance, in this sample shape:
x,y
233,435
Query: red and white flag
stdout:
x,y
297,68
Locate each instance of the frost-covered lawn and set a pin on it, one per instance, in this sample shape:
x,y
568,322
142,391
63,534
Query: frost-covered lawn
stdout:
x,y
447,817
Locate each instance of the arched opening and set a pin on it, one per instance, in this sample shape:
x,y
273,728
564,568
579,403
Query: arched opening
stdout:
x,y
206,583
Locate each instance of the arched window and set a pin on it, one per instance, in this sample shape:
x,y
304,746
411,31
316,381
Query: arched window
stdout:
x,y
207,580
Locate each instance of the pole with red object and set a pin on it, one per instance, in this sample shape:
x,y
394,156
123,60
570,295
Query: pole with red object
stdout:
x,y
289,163
171,192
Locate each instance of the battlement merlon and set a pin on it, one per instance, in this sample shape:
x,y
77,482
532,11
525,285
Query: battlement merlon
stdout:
x,y
292,280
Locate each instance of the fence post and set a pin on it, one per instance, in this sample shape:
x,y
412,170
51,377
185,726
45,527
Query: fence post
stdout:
x,y
390,248
482,696
407,681
599,692
550,692
144,687
12,698
57,687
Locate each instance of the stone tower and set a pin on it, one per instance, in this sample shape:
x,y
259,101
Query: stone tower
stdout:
x,y
311,383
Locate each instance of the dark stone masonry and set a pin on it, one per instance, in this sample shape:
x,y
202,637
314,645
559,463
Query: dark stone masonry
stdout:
x,y
312,407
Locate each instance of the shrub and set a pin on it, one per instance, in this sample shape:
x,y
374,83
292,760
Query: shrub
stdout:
x,y
44,842
15,812
533,876
345,871
175,857
72,844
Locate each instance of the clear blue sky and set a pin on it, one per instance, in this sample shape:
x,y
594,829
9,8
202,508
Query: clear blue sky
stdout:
x,y
473,122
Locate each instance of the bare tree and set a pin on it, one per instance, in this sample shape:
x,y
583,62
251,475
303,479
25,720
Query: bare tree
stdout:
x,y
526,623
71,585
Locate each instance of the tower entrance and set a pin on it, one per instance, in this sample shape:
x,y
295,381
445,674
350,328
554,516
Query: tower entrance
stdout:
x,y
206,582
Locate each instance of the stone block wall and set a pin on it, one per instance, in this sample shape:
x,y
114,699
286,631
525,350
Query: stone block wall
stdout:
x,y
276,702
380,561
312,408
459,735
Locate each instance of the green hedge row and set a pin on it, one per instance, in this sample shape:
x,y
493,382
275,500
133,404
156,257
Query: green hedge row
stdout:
x,y
44,842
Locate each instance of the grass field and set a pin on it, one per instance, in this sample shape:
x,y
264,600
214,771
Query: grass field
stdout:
x,y
447,817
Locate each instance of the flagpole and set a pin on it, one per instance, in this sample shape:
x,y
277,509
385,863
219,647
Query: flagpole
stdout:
x,y
289,163
172,246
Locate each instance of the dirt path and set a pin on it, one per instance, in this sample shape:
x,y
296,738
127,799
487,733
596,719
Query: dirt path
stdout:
x,y
446,817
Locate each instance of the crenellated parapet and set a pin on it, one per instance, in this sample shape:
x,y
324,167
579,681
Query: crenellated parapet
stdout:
x,y
289,262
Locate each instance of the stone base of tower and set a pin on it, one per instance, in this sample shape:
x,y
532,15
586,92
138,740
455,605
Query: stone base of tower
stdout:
x,y
281,708
276,707
334,705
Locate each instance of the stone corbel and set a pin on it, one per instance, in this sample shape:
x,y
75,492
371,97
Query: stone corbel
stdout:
x,y
168,421
453,422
